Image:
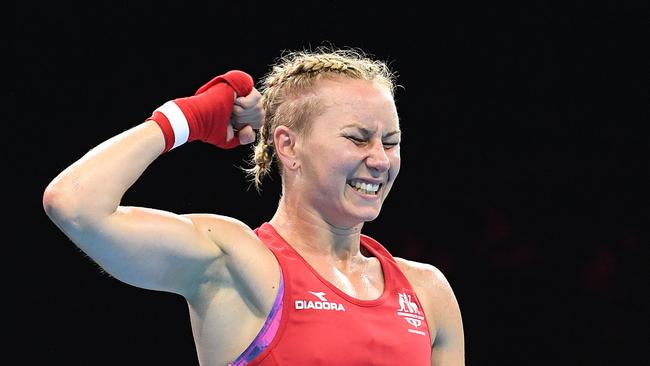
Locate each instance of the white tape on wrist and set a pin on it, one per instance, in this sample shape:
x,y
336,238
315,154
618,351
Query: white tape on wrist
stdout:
x,y
177,120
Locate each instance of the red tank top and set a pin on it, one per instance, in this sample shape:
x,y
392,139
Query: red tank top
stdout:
x,y
322,325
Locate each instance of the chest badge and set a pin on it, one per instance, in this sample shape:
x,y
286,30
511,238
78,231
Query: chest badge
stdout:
x,y
409,310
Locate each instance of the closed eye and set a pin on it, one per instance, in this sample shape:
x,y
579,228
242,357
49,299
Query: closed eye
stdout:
x,y
357,140
363,141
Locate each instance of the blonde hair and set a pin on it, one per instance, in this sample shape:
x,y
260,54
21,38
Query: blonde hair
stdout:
x,y
285,86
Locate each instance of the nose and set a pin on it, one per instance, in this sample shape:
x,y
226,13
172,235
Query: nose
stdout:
x,y
377,158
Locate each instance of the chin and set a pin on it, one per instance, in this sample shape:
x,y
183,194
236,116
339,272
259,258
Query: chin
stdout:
x,y
352,219
368,216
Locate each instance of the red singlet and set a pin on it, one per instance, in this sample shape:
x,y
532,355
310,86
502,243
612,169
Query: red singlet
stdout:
x,y
322,325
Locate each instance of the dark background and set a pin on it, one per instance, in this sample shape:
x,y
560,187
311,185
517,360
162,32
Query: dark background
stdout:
x,y
524,172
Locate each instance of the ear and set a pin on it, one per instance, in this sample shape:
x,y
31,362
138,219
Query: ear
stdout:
x,y
285,140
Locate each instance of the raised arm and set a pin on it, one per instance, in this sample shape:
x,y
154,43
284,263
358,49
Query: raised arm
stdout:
x,y
145,247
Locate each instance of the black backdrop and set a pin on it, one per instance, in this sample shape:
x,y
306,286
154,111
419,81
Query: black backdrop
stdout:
x,y
523,175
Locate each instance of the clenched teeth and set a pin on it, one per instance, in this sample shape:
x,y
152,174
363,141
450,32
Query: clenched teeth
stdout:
x,y
366,188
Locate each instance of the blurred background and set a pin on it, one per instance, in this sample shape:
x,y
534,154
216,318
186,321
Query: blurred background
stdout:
x,y
524,175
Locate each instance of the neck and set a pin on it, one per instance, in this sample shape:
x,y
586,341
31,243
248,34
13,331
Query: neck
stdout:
x,y
309,233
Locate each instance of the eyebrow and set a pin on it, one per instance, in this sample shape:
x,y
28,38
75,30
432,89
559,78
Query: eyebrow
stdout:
x,y
367,132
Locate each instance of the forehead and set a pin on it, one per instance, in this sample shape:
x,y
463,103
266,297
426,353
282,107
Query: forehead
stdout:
x,y
356,101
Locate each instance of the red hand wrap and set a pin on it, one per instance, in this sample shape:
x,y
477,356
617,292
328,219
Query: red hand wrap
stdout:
x,y
206,115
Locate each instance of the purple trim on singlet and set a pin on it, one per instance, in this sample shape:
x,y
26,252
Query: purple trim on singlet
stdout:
x,y
266,334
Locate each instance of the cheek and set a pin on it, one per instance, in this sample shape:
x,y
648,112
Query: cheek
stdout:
x,y
395,162
330,165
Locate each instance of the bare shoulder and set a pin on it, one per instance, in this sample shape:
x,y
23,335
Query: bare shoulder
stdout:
x,y
442,310
248,262
424,276
224,231
237,241
435,293
217,221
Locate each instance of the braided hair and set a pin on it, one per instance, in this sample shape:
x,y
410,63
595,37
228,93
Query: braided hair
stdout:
x,y
287,99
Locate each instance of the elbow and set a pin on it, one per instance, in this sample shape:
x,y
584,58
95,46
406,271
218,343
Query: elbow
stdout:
x,y
61,205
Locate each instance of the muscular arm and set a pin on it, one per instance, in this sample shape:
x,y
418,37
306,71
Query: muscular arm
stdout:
x,y
143,247
151,248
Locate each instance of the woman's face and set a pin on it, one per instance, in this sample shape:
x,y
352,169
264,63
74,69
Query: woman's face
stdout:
x,y
350,157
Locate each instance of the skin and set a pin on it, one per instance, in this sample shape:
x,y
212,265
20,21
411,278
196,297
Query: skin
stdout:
x,y
217,262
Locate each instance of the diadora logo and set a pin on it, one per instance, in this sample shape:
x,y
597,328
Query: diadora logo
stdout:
x,y
319,295
321,304
410,311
